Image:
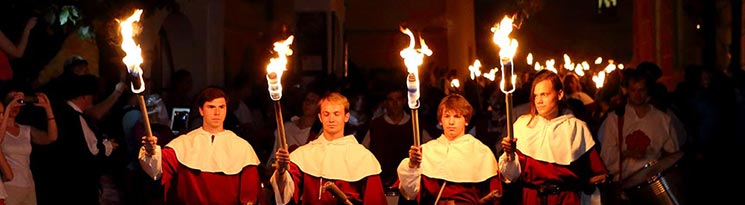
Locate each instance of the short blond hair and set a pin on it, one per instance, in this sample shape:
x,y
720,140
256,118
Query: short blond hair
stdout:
x,y
334,98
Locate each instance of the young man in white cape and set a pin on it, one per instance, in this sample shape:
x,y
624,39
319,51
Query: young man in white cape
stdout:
x,y
332,157
209,165
455,168
556,160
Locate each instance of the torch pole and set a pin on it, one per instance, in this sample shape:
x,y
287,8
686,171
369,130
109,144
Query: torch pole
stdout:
x,y
280,125
275,93
143,108
281,136
415,125
507,79
145,118
510,134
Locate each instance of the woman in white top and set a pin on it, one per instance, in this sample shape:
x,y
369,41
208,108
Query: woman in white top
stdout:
x,y
16,146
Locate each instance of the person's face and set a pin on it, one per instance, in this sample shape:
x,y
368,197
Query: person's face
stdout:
x,y
394,102
213,112
333,117
453,124
310,104
637,92
546,98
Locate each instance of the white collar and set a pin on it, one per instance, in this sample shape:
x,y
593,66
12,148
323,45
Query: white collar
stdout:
x,y
75,107
226,153
560,140
464,160
339,159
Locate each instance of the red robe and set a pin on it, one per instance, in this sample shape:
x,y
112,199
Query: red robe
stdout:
x,y
352,168
206,168
557,152
465,166
576,175
470,193
368,191
190,186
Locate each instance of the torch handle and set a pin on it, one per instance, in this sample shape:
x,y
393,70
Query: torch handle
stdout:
x,y
510,133
415,125
146,120
281,136
336,192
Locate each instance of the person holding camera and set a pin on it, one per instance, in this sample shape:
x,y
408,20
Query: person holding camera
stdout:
x,y
16,145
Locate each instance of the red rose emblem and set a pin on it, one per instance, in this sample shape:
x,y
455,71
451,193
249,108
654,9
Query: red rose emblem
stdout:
x,y
637,142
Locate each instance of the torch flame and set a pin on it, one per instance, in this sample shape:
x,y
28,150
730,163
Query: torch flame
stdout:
x,y
507,50
585,65
550,65
579,70
611,66
568,64
133,57
475,69
599,60
530,58
413,58
507,45
455,83
599,79
277,66
491,75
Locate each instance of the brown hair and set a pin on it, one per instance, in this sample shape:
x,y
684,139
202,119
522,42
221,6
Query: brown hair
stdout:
x,y
457,103
334,98
209,94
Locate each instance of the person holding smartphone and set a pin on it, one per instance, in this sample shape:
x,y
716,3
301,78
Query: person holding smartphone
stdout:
x,y
17,140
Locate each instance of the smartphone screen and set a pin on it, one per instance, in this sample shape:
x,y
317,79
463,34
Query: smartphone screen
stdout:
x,y
179,119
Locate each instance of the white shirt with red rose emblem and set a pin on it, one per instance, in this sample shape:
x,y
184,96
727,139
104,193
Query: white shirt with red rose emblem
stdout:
x,y
648,136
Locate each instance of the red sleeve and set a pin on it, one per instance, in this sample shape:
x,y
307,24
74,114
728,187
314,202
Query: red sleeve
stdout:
x,y
250,186
523,161
169,164
495,185
297,178
596,163
374,193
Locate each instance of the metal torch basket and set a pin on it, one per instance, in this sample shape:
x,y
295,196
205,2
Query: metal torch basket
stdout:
x,y
658,183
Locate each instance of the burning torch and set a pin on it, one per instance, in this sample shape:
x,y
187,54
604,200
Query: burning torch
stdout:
x,y
413,58
274,72
508,47
133,60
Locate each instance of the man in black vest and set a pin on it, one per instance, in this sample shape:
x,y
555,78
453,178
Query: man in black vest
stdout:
x,y
77,158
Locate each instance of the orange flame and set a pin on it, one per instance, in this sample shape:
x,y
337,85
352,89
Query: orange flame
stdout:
x,y
475,69
599,79
413,58
133,57
508,48
277,66
507,45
